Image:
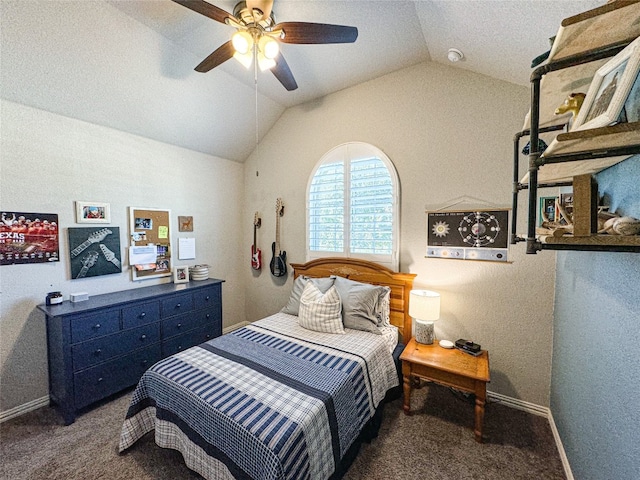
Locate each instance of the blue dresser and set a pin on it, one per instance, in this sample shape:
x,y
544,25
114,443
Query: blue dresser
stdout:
x,y
103,345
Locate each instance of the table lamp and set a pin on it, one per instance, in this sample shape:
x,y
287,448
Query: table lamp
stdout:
x,y
424,307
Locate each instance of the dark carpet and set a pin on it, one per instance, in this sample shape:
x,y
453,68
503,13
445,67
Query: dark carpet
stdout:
x,y
436,442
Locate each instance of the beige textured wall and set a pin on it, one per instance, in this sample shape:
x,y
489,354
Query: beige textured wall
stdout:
x,y
449,133
46,163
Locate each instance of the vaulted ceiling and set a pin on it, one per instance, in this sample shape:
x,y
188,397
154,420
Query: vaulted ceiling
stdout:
x,y
129,64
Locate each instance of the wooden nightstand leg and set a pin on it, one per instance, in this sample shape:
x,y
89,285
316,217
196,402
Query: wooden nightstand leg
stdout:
x,y
481,393
406,387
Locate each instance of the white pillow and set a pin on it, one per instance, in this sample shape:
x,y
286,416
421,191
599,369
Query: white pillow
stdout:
x,y
321,312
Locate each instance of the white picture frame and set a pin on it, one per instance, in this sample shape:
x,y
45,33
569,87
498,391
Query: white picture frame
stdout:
x,y
92,212
609,89
180,274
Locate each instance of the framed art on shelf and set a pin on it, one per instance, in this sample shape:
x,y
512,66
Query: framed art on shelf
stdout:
x,y
180,274
92,212
610,89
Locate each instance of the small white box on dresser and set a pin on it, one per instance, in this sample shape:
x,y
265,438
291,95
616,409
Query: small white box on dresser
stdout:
x,y
78,297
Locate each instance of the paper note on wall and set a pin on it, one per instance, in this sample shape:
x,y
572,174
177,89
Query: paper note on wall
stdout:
x,y
163,231
186,248
142,254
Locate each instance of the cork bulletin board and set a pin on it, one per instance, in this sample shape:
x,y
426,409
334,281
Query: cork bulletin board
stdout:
x,y
149,227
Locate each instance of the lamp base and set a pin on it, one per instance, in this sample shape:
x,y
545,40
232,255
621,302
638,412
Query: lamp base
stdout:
x,y
424,332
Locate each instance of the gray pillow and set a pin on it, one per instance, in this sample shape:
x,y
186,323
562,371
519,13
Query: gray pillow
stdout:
x,y
362,304
293,306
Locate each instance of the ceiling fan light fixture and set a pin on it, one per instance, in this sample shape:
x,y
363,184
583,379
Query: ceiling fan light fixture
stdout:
x,y
268,46
265,63
246,59
242,42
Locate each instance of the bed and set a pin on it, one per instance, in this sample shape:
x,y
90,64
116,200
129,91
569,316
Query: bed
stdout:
x,y
290,396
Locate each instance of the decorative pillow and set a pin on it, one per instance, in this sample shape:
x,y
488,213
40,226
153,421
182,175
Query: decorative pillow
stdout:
x,y
293,306
362,304
320,311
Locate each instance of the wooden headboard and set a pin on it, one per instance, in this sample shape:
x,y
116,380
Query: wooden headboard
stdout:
x,y
368,272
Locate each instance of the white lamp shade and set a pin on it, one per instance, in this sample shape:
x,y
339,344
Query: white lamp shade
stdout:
x,y
424,305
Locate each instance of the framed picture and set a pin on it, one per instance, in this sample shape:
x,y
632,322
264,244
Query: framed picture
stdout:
x,y
548,211
180,274
94,251
29,238
149,243
468,234
610,89
92,212
185,224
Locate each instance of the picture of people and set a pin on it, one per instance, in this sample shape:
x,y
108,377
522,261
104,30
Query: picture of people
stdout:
x,y
144,223
28,238
92,212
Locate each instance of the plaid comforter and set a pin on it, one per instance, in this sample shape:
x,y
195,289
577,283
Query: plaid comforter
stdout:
x,y
268,401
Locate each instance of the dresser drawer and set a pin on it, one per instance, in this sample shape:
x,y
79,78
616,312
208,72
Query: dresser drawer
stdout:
x,y
179,324
187,340
140,314
176,305
101,349
91,326
107,378
208,316
207,297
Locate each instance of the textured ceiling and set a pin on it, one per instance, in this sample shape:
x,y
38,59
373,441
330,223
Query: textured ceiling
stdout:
x,y
128,64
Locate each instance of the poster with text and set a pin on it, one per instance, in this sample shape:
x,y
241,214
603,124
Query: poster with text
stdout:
x,y
29,238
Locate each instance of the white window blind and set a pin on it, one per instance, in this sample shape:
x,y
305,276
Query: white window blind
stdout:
x,y
352,205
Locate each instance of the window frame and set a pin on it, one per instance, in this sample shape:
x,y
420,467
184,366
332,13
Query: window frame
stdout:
x,y
347,152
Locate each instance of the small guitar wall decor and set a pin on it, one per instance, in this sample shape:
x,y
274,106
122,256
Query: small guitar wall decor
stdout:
x,y
256,254
278,263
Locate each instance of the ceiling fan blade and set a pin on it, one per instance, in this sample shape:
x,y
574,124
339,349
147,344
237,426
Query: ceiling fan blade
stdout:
x,y
312,33
206,9
221,55
264,6
283,73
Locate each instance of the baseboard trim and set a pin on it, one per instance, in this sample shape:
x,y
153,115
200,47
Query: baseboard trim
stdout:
x,y
235,326
563,454
24,408
519,404
540,411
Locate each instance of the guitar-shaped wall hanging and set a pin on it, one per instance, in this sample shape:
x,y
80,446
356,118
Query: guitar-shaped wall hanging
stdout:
x,y
256,254
95,237
278,264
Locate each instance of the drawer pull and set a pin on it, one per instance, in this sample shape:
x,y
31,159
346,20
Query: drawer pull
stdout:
x,y
97,326
145,362
143,314
179,325
206,299
98,351
100,379
177,305
208,316
143,337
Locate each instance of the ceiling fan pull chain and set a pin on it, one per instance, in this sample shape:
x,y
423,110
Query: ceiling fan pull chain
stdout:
x,y
255,82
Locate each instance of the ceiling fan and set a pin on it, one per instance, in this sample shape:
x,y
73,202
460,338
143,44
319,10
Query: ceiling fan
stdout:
x,y
257,36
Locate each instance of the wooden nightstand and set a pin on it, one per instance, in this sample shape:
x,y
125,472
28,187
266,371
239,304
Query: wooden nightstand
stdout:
x,y
449,367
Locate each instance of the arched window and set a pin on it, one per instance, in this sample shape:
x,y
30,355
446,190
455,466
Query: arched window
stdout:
x,y
353,199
